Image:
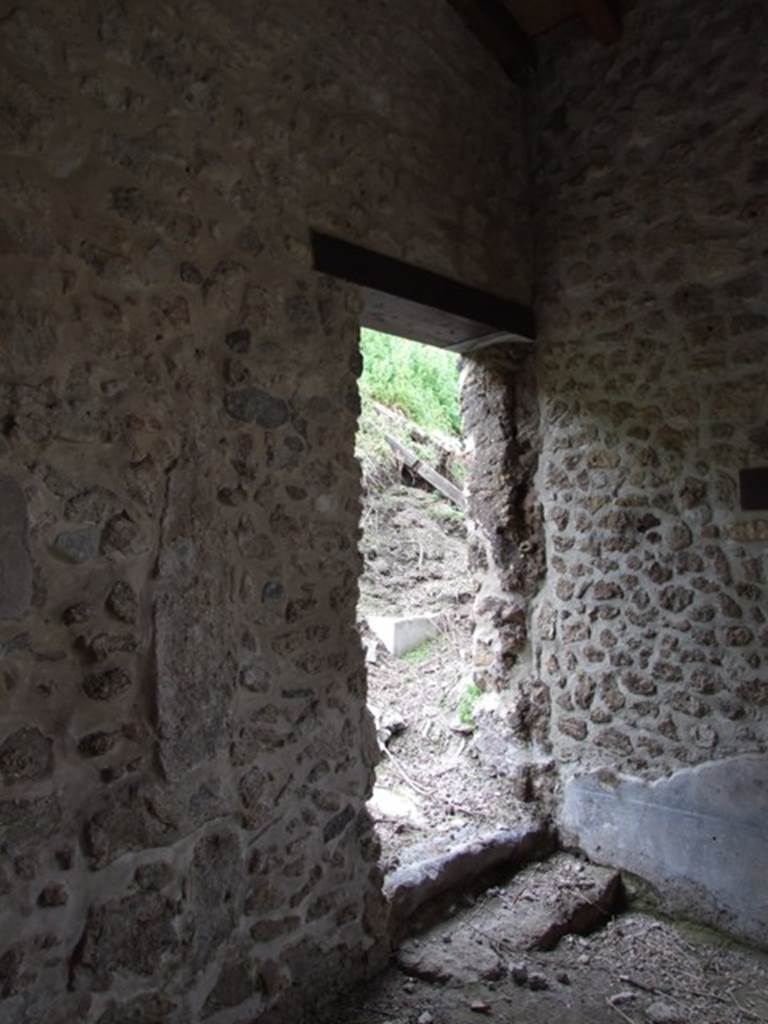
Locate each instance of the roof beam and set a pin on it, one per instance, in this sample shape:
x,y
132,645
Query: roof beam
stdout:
x,y
413,303
496,28
602,21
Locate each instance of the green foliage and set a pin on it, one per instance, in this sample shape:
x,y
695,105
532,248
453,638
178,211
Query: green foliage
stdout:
x,y
422,652
421,380
449,512
466,706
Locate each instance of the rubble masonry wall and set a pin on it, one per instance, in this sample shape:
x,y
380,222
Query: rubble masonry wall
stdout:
x,y
652,224
184,747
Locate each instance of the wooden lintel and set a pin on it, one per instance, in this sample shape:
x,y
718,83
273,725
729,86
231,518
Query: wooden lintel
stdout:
x,y
603,23
401,299
496,28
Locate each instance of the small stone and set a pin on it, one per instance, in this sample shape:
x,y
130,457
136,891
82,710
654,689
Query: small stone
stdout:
x,y
622,998
107,685
28,822
605,591
25,867
563,977
462,728
91,506
76,614
153,877
131,935
239,341
675,599
738,636
537,982
680,537
121,536
122,602
97,744
663,1013
252,405
426,1018
104,645
704,736
479,1006
53,895
232,496
573,727
519,973
64,859
78,546
189,273
26,756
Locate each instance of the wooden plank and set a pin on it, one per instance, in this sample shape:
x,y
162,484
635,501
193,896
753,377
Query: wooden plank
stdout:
x,y
497,30
414,320
414,463
419,304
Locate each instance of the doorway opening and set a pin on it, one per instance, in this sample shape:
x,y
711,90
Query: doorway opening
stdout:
x,y
416,604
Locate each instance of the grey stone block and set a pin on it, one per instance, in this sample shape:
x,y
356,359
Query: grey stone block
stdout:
x,y
700,836
403,634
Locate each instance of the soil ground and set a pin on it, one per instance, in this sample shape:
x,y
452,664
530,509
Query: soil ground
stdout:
x,y
636,969
430,790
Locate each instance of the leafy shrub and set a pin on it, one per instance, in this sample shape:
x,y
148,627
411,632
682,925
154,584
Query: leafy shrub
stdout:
x,y
466,706
422,652
420,380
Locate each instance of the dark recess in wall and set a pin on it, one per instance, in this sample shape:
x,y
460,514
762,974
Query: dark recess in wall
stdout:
x,y
754,488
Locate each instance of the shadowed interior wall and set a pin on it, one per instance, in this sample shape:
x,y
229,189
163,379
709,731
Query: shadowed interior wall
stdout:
x,y
184,747
651,201
621,618
649,633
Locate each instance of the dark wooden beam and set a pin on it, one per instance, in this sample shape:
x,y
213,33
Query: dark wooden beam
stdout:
x,y
411,459
602,20
419,304
496,28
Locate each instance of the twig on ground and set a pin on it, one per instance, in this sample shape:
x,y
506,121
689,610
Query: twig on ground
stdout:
x,y
747,1013
620,1012
626,979
418,786
524,889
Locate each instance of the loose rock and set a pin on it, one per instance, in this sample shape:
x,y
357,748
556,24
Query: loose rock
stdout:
x,y
663,1013
537,982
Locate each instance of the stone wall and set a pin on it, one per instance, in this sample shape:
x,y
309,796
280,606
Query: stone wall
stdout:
x,y
651,632
622,619
653,376
184,747
500,419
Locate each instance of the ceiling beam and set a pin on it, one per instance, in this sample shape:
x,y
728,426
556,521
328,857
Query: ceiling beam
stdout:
x,y
496,28
413,303
603,23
